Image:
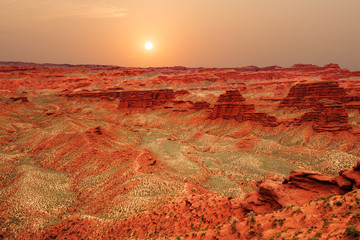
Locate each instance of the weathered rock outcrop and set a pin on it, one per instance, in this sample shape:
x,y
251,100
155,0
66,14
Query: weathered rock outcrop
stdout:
x,y
298,188
231,105
107,95
19,99
328,116
97,130
325,99
145,99
200,105
302,96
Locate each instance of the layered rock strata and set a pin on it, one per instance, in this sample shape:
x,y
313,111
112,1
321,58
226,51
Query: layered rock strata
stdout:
x,y
145,99
232,105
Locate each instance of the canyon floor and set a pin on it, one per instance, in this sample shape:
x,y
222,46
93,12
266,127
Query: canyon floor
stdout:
x,y
106,152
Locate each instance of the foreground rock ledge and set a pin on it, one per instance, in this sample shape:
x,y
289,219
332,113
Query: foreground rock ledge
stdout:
x,y
299,188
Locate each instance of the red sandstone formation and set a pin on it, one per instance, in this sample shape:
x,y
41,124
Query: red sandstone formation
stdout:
x,y
200,105
328,116
231,105
298,188
105,95
325,98
307,95
144,99
182,92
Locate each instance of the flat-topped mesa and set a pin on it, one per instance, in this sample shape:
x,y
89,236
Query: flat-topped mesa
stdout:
x,y
231,105
328,116
307,95
332,65
305,67
145,99
231,96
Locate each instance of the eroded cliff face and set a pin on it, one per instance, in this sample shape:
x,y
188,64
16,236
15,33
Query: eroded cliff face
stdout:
x,y
326,104
232,105
145,99
308,95
328,116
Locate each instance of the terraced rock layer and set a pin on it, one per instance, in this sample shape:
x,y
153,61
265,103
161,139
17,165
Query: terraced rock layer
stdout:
x,y
231,105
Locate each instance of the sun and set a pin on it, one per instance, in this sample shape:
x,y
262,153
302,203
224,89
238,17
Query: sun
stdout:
x,y
148,45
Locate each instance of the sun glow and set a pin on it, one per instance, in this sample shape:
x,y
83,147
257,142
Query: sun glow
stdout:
x,y
148,45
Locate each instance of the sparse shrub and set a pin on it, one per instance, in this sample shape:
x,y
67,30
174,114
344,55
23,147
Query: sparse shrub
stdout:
x,y
281,221
251,213
330,195
356,216
352,232
326,222
233,227
338,203
274,223
319,199
233,222
318,234
279,233
298,210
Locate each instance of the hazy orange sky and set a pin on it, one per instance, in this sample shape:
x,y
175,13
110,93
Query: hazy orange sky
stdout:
x,y
207,33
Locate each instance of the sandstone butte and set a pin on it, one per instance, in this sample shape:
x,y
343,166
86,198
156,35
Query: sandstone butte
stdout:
x,y
104,152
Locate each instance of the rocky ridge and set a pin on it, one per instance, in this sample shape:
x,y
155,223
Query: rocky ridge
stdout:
x,y
298,188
